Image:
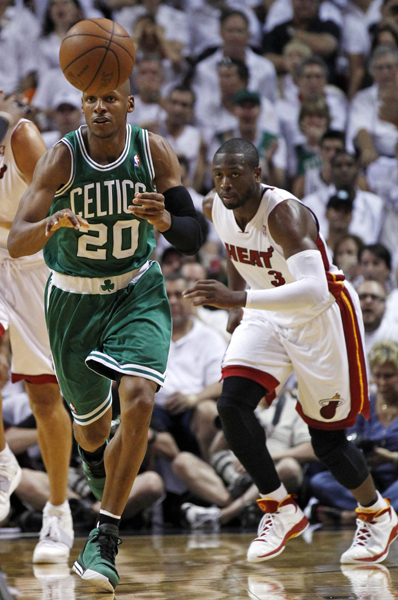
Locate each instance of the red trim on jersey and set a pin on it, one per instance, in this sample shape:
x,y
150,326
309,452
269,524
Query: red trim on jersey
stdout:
x,y
265,379
2,330
36,379
321,247
355,355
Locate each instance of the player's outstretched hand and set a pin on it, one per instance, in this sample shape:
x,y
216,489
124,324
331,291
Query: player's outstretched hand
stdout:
x,y
150,206
64,218
214,293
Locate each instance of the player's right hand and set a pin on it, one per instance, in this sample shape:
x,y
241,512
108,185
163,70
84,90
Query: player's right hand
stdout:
x,y
64,218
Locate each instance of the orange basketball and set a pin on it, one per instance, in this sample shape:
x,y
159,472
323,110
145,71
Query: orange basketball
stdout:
x,y
97,55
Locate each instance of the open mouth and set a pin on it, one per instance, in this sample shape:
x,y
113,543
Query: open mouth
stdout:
x,y
101,121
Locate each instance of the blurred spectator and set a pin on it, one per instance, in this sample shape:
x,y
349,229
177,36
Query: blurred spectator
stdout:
x,y
235,35
345,256
339,216
184,138
217,114
312,85
19,31
375,263
225,484
148,102
216,319
66,116
382,176
378,438
318,177
171,261
360,16
51,83
314,119
368,209
150,41
204,24
367,129
60,16
294,53
306,26
186,406
373,296
172,22
257,123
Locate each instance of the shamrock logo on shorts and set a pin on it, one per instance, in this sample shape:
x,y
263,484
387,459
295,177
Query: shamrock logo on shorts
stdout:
x,y
108,286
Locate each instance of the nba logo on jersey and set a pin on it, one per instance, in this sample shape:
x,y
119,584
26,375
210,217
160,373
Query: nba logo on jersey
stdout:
x,y
136,160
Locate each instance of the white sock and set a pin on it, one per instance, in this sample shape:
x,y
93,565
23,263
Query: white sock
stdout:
x,y
378,505
55,508
279,494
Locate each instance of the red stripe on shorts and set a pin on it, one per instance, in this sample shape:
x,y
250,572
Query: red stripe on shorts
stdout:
x,y
35,379
265,379
356,359
2,330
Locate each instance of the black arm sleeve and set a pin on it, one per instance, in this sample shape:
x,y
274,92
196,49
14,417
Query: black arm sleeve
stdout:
x,y
185,232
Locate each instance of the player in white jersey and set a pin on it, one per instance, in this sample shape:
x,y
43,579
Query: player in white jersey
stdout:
x,y
299,314
22,283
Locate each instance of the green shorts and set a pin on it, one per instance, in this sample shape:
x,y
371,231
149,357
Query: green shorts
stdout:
x,y
98,337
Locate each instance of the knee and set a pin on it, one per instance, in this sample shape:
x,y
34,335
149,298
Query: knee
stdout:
x,y
328,445
137,397
154,485
181,465
92,436
206,410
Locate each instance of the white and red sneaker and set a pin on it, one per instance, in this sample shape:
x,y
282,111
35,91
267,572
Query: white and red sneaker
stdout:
x,y
281,521
376,530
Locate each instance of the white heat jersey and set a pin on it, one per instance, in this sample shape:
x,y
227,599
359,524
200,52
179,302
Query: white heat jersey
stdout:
x,y
258,258
12,186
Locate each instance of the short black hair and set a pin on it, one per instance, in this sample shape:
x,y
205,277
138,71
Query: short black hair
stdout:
x,y
240,146
241,66
333,134
379,250
313,60
225,14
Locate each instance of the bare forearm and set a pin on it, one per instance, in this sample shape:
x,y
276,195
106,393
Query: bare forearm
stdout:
x,y
322,44
27,238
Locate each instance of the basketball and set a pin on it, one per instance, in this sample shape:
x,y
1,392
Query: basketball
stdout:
x,y
97,55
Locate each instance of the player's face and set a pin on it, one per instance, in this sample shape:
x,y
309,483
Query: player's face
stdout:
x,y
105,114
235,181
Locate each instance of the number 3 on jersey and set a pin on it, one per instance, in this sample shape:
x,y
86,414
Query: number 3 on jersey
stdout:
x,y
101,240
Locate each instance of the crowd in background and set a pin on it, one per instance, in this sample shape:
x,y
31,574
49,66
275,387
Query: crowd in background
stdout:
x,y
313,85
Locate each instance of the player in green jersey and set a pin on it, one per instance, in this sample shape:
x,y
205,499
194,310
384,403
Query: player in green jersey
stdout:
x,y
92,206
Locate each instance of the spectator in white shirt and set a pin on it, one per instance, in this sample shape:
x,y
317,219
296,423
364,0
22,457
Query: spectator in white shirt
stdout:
x,y
345,255
368,209
375,263
235,34
66,116
319,177
148,102
186,404
372,297
366,131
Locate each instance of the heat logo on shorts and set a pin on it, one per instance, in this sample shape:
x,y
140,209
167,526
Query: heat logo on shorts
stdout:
x,y
136,160
330,405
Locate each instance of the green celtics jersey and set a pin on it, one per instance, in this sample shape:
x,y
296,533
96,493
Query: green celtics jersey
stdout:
x,y
117,241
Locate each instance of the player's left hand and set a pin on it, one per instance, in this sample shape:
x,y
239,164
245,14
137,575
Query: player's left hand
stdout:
x,y
214,293
150,206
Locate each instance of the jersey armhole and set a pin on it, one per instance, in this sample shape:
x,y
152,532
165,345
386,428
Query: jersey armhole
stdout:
x,y
71,179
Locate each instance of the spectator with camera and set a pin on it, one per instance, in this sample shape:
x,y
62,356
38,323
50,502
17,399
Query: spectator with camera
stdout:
x,y
377,438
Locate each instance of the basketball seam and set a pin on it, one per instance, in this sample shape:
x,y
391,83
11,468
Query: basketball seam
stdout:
x,y
95,22
102,62
101,38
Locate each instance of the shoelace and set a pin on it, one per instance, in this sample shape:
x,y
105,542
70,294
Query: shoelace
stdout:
x,y
362,533
50,530
266,525
108,546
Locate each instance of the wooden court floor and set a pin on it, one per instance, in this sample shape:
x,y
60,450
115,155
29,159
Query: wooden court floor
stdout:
x,y
208,567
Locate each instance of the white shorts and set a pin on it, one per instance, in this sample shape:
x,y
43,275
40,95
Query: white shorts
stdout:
x,y
22,283
326,355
